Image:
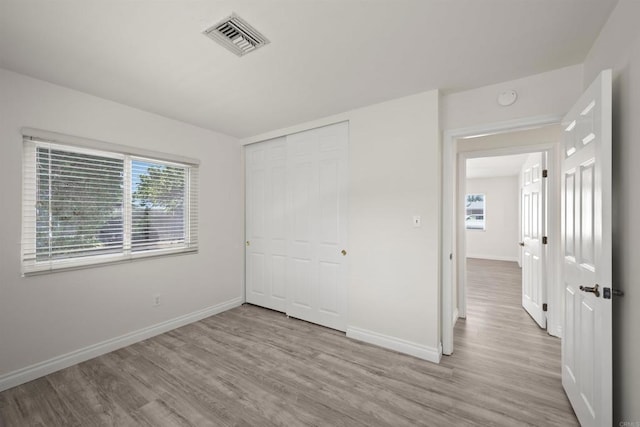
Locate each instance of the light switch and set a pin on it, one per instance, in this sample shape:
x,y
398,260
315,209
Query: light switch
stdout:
x,y
417,221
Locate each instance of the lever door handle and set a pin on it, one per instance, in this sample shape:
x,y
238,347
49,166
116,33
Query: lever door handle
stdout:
x,y
592,289
521,243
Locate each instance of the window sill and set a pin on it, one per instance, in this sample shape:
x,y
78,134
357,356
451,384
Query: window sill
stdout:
x,y
41,268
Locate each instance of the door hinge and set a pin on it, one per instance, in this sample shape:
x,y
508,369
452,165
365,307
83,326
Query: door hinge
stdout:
x,y
544,240
545,307
545,173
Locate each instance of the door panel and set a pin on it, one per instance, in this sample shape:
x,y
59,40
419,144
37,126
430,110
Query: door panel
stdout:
x,y
329,181
332,234
533,252
569,333
318,199
266,224
569,202
278,271
301,286
303,194
586,214
586,246
329,282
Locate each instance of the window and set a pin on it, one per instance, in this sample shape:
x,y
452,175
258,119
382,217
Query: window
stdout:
x,y
475,212
85,206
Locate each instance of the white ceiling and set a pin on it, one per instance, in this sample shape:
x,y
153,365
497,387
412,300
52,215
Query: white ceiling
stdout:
x,y
493,167
325,56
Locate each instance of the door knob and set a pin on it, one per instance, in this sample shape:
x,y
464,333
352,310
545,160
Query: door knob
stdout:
x,y
521,243
248,243
592,289
343,252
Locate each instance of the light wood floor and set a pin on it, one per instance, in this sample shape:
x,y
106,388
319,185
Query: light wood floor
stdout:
x,y
252,366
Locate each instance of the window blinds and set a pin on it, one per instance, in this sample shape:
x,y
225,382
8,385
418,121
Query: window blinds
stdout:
x,y
84,206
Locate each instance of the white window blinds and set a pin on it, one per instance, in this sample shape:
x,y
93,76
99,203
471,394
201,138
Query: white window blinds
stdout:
x,y
84,206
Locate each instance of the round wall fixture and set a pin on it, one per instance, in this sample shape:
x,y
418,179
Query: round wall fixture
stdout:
x,y
508,97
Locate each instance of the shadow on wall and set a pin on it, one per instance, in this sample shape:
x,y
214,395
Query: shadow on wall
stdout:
x,y
618,253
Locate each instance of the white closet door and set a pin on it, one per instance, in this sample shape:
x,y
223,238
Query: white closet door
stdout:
x,y
317,190
296,225
266,218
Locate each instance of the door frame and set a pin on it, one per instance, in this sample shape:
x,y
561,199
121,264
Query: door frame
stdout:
x,y
547,149
450,252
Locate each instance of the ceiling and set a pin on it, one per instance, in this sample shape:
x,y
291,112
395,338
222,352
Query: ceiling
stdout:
x,y
325,56
493,167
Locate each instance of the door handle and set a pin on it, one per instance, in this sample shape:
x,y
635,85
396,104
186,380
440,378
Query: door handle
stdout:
x,y
343,252
592,289
521,243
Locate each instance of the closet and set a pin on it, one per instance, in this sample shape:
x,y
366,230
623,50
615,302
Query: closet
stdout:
x,y
296,224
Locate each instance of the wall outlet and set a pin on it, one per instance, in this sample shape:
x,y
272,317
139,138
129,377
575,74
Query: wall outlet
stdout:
x,y
156,301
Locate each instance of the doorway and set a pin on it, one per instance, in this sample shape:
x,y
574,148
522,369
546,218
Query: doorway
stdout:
x,y
536,135
582,293
503,214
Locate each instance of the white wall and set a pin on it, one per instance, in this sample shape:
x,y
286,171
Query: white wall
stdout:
x,y
618,47
394,173
47,316
499,239
551,93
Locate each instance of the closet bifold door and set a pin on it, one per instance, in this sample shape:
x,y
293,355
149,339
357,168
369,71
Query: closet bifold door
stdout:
x,y
317,202
266,216
297,225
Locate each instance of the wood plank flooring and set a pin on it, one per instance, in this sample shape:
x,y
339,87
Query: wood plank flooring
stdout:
x,y
255,367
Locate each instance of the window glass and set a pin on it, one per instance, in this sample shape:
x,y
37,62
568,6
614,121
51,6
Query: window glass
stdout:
x,y
475,212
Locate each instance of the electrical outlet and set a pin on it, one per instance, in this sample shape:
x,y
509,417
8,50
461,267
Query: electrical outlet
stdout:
x,y
156,300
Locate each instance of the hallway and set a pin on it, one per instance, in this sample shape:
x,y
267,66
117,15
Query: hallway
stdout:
x,y
499,347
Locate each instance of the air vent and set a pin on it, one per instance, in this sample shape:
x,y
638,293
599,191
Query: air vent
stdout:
x,y
236,35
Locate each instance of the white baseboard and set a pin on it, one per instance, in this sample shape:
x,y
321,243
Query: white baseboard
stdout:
x,y
456,315
494,257
46,367
431,354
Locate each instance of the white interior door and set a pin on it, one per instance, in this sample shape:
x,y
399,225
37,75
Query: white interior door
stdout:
x,y
586,250
266,219
533,194
317,165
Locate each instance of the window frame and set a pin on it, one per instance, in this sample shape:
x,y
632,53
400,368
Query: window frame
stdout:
x,y
32,139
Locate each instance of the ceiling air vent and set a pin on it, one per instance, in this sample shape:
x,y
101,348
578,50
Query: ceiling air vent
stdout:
x,y
236,35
